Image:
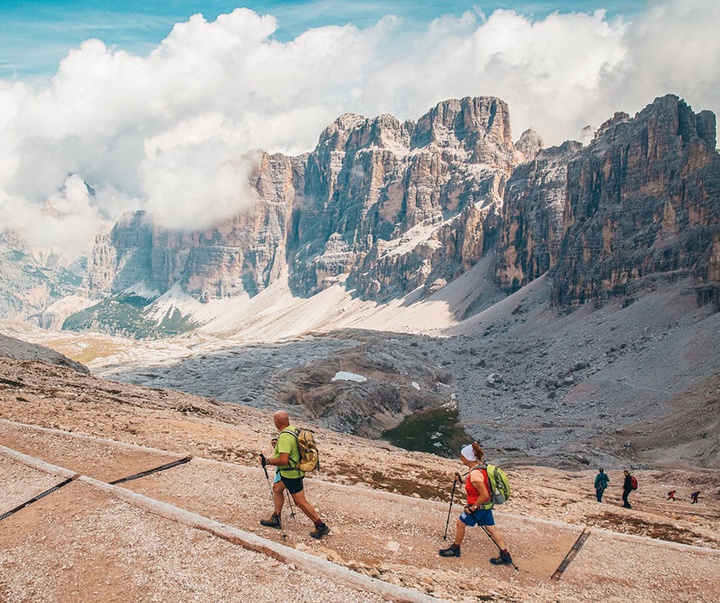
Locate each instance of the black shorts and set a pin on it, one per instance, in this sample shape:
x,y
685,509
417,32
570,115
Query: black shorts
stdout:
x,y
293,484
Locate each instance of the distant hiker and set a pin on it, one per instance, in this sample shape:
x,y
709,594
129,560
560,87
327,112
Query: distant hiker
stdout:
x,y
601,482
671,495
629,485
694,497
478,510
285,456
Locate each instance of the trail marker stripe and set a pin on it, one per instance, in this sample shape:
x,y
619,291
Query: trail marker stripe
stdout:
x,y
571,555
181,461
39,496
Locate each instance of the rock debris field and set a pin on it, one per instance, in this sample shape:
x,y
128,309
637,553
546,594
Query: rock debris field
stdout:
x,y
191,532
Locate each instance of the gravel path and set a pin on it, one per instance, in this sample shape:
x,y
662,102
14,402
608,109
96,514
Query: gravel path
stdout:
x,y
111,549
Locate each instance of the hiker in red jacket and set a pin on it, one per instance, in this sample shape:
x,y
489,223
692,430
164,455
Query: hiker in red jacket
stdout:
x,y
671,495
478,510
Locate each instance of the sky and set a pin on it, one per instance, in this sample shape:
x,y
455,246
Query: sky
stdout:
x,y
157,104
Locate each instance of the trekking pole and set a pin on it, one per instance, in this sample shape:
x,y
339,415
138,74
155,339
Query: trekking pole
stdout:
x,y
452,497
290,503
517,569
272,495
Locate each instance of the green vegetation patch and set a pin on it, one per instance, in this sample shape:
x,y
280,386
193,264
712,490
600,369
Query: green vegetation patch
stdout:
x,y
632,525
127,315
434,430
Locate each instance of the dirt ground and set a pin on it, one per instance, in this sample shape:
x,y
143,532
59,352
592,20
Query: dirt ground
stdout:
x,y
387,509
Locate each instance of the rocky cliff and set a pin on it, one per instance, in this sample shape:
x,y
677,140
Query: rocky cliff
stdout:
x,y
242,255
396,206
640,202
643,200
387,207
391,206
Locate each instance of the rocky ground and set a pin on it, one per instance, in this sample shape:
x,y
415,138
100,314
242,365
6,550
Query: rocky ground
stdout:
x,y
605,385
387,508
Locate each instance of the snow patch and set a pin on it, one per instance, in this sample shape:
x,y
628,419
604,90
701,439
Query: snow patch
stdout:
x,y
345,376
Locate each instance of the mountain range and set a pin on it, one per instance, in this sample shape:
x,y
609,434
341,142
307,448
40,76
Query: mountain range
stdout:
x,y
553,298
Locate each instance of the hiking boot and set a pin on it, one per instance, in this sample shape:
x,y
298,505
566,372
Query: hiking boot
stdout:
x,y
273,522
319,531
452,551
503,559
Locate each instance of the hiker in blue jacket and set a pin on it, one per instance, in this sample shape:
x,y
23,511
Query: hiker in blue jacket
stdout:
x,y
601,482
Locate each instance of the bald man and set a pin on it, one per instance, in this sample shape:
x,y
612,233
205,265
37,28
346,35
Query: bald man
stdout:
x,y
285,456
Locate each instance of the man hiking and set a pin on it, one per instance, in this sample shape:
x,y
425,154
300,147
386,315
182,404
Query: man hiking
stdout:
x,y
285,456
627,488
601,482
694,497
478,510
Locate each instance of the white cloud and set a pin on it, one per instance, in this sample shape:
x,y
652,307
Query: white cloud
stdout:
x,y
66,222
169,132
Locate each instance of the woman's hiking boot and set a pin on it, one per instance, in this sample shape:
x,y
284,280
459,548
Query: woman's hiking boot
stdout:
x,y
503,559
273,522
319,531
452,551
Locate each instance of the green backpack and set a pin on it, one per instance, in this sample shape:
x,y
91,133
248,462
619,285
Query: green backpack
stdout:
x,y
499,484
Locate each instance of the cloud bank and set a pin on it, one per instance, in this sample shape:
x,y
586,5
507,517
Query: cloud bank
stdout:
x,y
169,132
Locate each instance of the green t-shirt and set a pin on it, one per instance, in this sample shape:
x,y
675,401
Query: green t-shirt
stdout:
x,y
287,442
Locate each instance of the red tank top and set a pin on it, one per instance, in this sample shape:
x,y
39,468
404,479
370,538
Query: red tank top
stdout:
x,y
472,492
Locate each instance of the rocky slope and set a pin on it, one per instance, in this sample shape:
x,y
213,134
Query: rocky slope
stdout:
x,y
33,279
386,507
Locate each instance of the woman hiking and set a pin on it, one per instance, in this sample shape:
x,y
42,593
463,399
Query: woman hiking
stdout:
x,y
478,510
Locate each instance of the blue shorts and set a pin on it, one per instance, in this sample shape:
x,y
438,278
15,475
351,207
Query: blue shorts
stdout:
x,y
481,517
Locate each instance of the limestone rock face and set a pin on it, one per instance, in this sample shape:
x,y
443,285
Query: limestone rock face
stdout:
x,y
643,200
533,217
640,202
389,207
242,255
382,198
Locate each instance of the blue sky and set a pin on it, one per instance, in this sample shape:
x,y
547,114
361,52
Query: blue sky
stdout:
x,y
36,35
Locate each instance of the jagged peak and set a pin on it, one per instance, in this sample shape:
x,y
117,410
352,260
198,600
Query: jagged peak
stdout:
x,y
529,144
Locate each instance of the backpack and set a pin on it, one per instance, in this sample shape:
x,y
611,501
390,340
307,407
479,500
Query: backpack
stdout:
x,y
633,482
499,485
309,455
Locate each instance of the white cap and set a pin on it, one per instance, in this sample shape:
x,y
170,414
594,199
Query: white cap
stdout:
x,y
468,453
